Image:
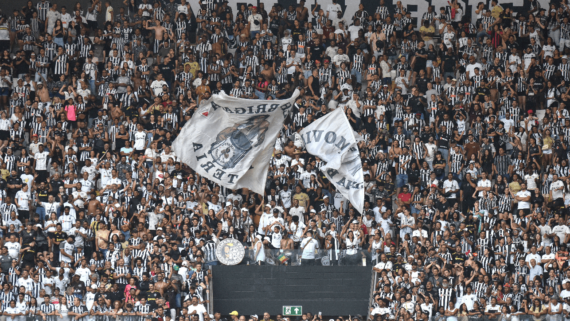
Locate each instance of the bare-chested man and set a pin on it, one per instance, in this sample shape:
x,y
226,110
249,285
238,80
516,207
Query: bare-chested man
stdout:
x,y
94,205
42,92
160,33
286,242
160,285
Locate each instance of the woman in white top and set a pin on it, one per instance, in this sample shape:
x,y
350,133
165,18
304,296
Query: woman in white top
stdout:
x,y
61,309
116,311
555,309
376,245
4,130
451,312
352,243
51,224
259,253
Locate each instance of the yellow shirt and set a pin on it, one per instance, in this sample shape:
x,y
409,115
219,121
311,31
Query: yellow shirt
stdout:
x,y
194,67
430,29
5,173
496,11
302,198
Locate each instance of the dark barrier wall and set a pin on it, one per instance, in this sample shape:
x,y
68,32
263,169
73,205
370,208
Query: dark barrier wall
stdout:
x,y
332,290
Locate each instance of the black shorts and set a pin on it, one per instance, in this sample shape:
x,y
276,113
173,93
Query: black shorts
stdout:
x,y
4,135
526,211
43,248
420,66
92,24
23,215
557,203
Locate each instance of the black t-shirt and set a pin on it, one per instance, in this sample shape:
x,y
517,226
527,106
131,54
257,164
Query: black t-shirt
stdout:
x,y
55,185
422,84
167,71
27,237
450,62
443,141
296,32
59,236
23,67
481,92
79,287
14,181
419,60
438,171
116,296
29,254
151,298
317,52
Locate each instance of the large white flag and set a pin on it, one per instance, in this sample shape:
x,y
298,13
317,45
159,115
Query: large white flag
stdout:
x,y
332,139
230,140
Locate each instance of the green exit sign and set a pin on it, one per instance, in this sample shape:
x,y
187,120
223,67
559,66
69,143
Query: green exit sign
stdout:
x,y
293,311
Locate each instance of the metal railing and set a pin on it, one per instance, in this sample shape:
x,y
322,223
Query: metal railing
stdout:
x,y
321,257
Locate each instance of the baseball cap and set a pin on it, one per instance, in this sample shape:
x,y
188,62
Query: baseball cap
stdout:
x,y
234,313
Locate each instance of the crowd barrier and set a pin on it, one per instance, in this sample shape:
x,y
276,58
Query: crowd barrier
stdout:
x,y
321,257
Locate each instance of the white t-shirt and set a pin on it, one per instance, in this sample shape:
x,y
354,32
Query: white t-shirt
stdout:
x,y
41,160
531,181
483,183
65,19
200,310
23,199
68,248
182,9
13,249
27,283
400,81
309,249
431,150
354,31
109,14
333,8
156,86
285,198
450,186
83,273
556,192
252,25
384,265
548,50
140,138
561,231
27,179
523,205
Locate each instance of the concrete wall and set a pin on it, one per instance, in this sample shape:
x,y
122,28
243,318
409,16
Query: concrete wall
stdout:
x,y
333,290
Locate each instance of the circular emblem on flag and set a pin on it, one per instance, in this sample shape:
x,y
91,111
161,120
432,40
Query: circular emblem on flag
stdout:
x,y
230,252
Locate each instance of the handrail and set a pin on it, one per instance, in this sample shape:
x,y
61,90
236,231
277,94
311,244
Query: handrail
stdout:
x,y
372,288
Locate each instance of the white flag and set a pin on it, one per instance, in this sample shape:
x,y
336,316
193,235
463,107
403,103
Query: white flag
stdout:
x,y
230,140
332,139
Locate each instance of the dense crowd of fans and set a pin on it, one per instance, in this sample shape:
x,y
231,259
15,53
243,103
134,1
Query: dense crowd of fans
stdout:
x,y
465,129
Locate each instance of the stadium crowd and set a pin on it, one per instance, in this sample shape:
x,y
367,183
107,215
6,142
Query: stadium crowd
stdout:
x,y
465,129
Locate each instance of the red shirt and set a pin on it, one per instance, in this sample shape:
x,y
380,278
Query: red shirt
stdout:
x,y
404,196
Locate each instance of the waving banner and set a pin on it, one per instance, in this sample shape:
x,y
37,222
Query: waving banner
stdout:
x,y
332,139
230,140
